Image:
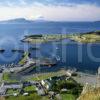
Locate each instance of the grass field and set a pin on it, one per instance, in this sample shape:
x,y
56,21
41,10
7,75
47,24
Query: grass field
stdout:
x,y
30,88
68,97
32,96
12,91
7,77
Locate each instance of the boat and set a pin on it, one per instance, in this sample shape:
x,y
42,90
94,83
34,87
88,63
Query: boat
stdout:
x,y
34,48
2,50
17,50
57,48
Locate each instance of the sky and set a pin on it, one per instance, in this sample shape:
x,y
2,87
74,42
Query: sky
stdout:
x,y
55,10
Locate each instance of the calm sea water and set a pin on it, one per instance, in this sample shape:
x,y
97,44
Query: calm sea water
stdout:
x,y
11,34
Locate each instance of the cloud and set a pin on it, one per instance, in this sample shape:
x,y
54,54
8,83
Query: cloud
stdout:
x,y
58,10
57,13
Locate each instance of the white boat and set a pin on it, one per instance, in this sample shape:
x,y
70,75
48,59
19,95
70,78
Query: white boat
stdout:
x,y
57,48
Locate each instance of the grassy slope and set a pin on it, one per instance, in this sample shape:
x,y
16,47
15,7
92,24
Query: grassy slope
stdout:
x,y
91,95
68,97
33,96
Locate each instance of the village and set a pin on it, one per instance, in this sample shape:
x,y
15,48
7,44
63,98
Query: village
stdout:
x,y
52,85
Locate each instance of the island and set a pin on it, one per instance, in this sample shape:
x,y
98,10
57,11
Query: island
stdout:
x,y
43,38
87,37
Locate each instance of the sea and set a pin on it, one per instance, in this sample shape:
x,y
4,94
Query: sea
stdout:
x,y
70,54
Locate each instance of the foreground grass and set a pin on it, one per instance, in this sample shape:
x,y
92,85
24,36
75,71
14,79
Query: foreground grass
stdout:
x,y
33,96
91,95
68,97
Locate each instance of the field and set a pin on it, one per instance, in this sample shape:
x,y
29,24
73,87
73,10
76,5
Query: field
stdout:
x,y
68,97
11,91
30,88
7,77
32,96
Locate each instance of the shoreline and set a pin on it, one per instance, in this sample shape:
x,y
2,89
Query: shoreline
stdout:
x,y
81,77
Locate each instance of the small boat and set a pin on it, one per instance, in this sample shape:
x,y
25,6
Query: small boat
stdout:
x,y
34,48
17,50
57,48
2,50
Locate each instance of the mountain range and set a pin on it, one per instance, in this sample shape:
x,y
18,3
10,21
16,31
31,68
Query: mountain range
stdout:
x,y
20,21
25,21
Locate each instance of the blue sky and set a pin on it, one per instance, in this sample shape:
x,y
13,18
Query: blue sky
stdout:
x,y
59,10
49,2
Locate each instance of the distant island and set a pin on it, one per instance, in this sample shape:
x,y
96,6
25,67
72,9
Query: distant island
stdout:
x,y
88,37
29,21
97,21
21,21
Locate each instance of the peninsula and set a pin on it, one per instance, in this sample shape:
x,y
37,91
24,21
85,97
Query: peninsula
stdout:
x,y
42,38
